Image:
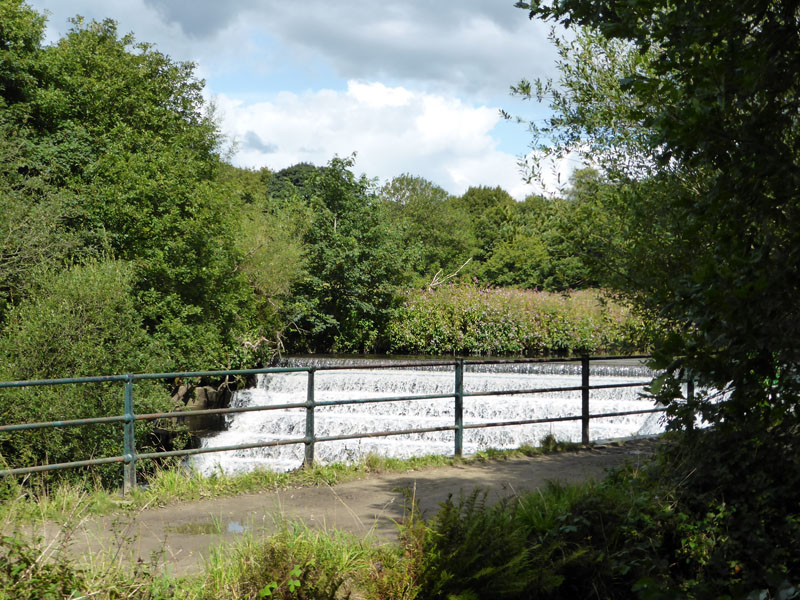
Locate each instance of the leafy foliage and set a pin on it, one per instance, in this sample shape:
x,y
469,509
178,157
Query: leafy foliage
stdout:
x,y
469,320
353,265
712,119
81,321
669,531
295,562
437,237
475,547
115,155
24,575
491,211
128,244
540,247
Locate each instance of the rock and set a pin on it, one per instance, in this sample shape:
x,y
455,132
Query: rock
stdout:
x,y
189,398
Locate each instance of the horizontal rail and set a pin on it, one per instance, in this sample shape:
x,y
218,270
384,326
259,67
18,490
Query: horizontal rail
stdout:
x,y
560,419
268,370
329,438
512,361
193,451
385,365
244,409
130,456
625,413
67,465
185,414
356,436
523,422
191,374
376,400
55,424
62,381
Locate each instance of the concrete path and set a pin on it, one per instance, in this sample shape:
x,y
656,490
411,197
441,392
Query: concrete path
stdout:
x,y
182,534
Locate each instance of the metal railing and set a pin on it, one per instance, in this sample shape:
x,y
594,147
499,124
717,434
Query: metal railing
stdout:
x,y
130,456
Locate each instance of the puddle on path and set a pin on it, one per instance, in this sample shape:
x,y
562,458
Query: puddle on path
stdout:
x,y
212,526
236,527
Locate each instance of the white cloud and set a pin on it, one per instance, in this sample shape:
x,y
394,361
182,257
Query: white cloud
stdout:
x,y
392,130
471,48
377,95
474,48
411,85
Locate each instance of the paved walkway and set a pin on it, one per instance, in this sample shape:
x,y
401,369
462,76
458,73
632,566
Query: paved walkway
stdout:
x,y
185,532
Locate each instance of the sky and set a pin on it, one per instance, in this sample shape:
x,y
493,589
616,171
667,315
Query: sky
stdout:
x,y
409,86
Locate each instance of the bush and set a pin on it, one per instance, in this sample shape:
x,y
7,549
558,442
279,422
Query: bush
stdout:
x,y
353,267
472,321
82,322
295,562
25,575
715,516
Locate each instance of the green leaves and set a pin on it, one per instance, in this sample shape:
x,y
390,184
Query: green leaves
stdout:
x,y
469,320
268,589
353,265
80,322
437,235
691,110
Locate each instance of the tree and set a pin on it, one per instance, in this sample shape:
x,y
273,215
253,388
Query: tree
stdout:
x,y
715,114
112,152
81,321
537,248
270,239
491,211
21,30
437,237
353,265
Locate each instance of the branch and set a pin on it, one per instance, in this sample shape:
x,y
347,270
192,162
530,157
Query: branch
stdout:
x,y
437,281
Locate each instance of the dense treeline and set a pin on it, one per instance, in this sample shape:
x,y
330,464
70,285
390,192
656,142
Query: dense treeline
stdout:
x,y
129,244
114,179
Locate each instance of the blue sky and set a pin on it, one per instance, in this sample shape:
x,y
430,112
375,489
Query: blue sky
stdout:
x,y
410,86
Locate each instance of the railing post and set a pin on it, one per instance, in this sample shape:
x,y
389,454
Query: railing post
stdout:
x,y
585,399
308,461
459,407
129,440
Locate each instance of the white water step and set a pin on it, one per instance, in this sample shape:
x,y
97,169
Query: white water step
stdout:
x,y
287,388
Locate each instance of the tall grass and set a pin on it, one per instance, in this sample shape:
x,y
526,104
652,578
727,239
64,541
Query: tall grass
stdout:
x,y
466,320
294,562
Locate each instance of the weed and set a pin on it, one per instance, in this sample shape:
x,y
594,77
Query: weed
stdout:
x,y
294,562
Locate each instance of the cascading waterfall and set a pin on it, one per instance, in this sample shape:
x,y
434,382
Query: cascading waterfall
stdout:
x,y
287,388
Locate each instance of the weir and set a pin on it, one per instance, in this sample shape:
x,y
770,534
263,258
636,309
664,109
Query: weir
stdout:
x,y
359,382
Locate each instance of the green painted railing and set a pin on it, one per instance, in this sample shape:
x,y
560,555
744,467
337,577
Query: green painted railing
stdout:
x,y
129,418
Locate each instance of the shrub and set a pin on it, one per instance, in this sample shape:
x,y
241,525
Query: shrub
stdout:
x,y
25,575
473,321
295,562
83,322
716,516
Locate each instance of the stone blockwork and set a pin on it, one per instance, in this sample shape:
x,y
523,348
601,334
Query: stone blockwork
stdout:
x,y
193,398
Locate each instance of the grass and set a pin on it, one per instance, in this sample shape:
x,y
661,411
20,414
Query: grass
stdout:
x,y
293,562
322,563
685,525
30,503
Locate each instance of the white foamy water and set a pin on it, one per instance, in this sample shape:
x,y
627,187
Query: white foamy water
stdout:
x,y
287,388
